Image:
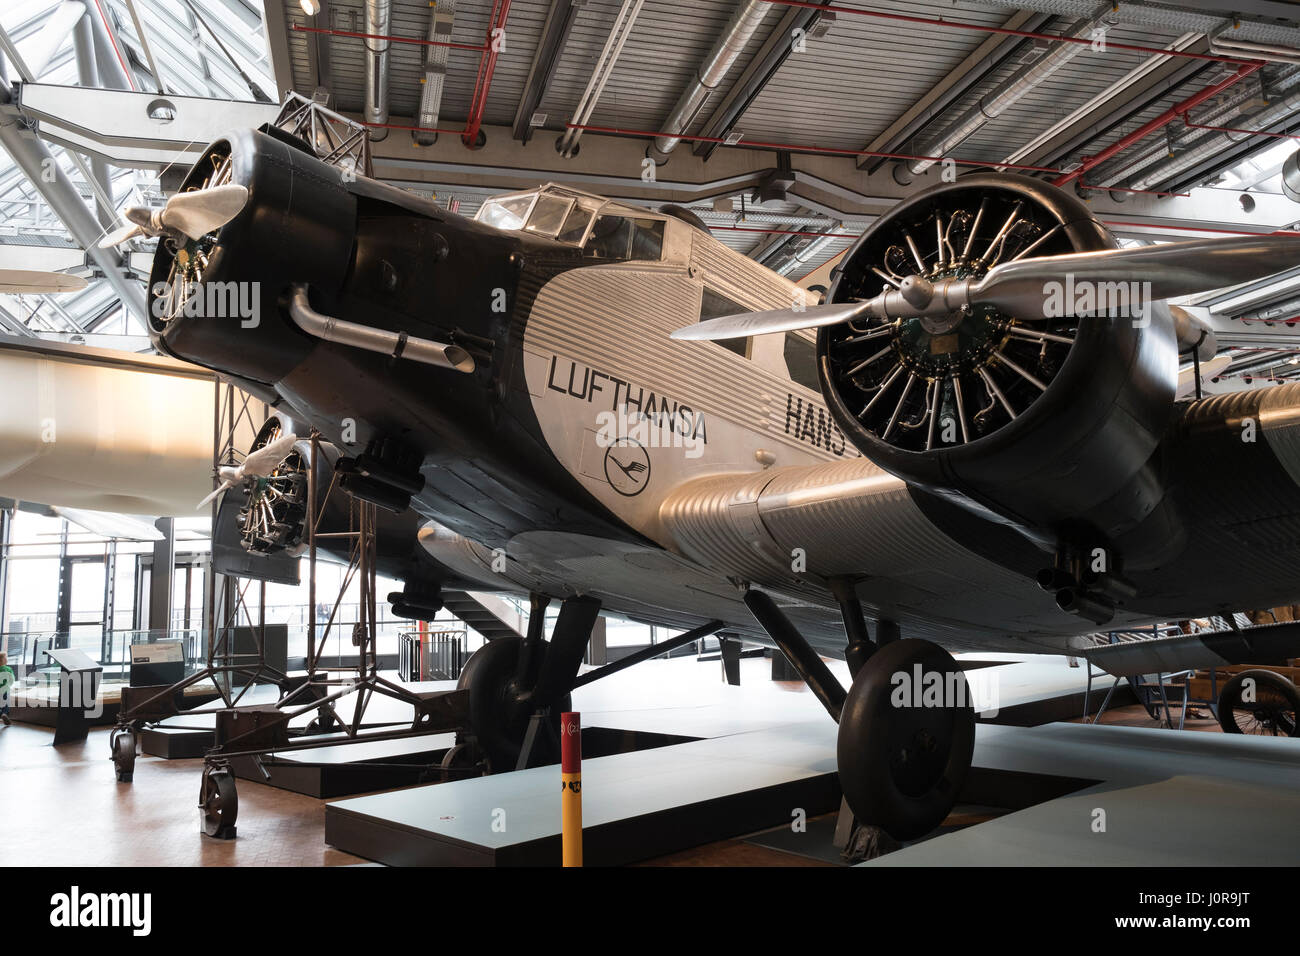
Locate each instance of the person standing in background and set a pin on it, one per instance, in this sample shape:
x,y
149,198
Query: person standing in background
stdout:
x,y
6,682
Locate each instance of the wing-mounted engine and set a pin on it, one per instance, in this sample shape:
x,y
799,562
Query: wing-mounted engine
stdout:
x,y
1046,418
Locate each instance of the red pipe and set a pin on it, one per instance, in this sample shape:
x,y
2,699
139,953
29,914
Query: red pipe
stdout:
x,y
384,36
792,148
1004,31
1231,129
486,65
1164,119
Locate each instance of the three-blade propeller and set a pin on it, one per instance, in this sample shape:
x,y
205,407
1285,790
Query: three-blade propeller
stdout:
x,y
260,463
191,215
1022,288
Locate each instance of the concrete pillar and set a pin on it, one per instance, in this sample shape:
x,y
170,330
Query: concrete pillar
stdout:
x,y
160,579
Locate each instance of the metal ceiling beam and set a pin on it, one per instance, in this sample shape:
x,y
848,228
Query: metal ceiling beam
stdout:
x,y
1009,92
318,50
277,43
769,59
546,59
982,61
1120,110
730,45
52,182
116,125
83,43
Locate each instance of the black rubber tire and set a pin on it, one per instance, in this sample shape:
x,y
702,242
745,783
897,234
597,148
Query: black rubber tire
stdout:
x,y
498,715
124,745
1279,699
901,767
218,803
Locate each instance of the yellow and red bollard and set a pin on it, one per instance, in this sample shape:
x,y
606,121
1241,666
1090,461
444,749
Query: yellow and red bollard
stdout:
x,y
571,781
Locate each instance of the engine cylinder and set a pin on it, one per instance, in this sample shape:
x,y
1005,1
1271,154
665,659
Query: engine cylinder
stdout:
x,y
1046,421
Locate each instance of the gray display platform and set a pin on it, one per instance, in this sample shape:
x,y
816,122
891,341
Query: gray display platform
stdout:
x,y
343,769
1169,798
635,805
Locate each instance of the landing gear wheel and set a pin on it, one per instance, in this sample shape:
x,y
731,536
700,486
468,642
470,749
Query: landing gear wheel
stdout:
x,y
218,803
1271,711
123,746
902,760
499,710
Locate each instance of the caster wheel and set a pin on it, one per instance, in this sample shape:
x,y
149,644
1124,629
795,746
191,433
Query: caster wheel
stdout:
x,y
903,752
498,709
460,761
324,724
123,746
1259,702
218,803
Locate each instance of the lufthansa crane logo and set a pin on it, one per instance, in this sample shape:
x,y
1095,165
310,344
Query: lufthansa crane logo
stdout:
x,y
627,467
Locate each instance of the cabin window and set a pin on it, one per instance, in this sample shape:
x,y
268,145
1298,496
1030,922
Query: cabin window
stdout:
x,y
624,238
714,305
801,360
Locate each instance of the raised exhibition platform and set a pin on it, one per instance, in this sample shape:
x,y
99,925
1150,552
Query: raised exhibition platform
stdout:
x,y
766,754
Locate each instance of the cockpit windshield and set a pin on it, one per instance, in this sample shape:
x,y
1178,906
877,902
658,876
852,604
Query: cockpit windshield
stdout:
x,y
567,216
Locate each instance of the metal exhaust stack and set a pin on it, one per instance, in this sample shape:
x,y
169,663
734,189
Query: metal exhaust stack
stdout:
x,y
396,344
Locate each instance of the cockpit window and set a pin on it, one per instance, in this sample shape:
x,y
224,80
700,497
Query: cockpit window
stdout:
x,y
508,212
622,237
575,226
573,218
549,215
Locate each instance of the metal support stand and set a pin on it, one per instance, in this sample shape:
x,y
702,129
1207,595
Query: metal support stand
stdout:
x,y
729,652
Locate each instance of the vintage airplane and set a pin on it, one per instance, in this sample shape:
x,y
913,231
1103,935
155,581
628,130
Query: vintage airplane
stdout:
x,y
965,454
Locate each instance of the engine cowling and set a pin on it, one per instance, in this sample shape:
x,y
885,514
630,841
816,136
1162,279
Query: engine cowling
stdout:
x,y
1047,422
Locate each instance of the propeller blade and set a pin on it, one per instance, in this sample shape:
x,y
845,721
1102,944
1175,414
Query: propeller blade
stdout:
x,y
27,282
224,486
777,320
124,234
261,462
1173,269
111,525
202,211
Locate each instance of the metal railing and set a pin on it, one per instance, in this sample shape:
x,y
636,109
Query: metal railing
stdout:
x,y
430,655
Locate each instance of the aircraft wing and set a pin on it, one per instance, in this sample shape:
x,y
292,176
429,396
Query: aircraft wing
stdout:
x,y
1266,644
101,430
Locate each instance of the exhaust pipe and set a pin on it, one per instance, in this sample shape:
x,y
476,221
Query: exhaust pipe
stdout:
x,y
396,344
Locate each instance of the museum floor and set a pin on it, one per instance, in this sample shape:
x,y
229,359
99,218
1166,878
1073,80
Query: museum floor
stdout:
x,y
61,805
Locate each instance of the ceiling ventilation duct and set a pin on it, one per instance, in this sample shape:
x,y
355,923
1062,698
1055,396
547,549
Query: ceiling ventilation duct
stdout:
x,y
378,23
740,29
1008,93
